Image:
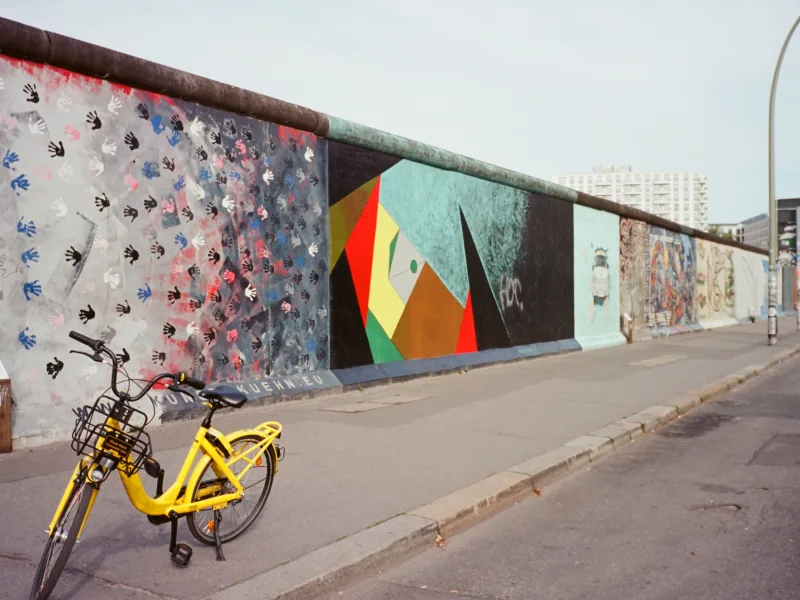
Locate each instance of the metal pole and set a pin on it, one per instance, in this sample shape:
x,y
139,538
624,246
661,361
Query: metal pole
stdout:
x,y
797,266
772,311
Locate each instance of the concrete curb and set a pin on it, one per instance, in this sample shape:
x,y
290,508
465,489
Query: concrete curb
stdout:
x,y
332,566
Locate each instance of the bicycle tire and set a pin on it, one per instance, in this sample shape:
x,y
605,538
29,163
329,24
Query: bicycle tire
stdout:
x,y
44,582
199,525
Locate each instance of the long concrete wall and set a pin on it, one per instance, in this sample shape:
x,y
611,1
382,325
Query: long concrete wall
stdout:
x,y
191,235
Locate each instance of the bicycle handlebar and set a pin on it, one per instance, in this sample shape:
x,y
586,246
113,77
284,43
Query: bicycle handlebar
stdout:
x,y
99,347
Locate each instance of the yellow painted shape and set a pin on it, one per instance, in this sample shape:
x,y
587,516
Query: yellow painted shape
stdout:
x,y
384,302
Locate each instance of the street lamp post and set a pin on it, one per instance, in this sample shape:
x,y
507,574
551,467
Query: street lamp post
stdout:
x,y
772,314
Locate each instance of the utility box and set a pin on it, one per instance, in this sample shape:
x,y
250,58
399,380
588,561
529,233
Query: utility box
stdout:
x,y
5,411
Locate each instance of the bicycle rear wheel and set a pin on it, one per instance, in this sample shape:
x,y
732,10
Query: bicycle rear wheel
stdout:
x,y
61,541
239,514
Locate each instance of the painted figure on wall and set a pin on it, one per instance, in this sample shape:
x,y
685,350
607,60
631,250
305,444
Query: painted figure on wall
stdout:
x,y
715,281
671,299
600,284
634,269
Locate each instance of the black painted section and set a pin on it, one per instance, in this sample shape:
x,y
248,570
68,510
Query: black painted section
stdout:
x,y
349,343
350,167
490,330
545,267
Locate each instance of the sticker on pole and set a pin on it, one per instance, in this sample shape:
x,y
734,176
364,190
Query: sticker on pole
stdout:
x,y
772,312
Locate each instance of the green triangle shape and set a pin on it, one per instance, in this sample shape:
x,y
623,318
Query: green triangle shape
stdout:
x,y
392,246
383,350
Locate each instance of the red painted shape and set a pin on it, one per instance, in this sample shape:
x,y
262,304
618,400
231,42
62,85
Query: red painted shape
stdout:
x,y
466,335
359,249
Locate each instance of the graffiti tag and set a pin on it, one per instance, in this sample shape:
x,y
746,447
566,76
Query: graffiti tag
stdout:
x,y
510,290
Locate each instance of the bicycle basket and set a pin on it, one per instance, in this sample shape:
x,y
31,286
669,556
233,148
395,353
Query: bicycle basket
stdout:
x,y
127,442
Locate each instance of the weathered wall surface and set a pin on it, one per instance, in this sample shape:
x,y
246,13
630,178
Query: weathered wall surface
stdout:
x,y
189,238
597,271
716,289
428,263
750,284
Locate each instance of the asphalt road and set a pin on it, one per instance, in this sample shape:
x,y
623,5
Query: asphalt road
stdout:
x,y
706,508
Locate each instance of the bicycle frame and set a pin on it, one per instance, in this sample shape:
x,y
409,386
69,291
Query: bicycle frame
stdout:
x,y
176,499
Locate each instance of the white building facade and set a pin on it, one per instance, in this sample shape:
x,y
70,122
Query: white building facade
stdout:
x,y
680,196
755,231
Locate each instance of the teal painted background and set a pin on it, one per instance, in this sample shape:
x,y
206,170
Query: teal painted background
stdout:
x,y
595,325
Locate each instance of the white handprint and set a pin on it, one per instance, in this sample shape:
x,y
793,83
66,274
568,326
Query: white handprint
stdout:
x,y
282,202
65,172
64,101
301,177
191,329
96,166
112,279
228,204
37,128
109,148
313,249
322,312
89,371
250,292
114,105
268,176
199,193
198,241
289,288
59,207
196,127
296,241
309,154
317,209
262,212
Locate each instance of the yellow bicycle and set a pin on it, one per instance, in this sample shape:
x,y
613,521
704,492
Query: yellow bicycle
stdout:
x,y
109,436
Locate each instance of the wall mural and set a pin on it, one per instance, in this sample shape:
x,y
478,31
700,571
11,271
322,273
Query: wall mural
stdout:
x,y
634,245
715,281
189,238
429,263
671,302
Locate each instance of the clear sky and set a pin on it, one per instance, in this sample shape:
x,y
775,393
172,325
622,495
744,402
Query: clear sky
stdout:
x,y
537,86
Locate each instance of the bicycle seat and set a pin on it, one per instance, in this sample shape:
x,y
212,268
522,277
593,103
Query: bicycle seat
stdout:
x,y
224,394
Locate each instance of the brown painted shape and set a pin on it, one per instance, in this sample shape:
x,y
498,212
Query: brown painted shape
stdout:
x,y
431,320
344,215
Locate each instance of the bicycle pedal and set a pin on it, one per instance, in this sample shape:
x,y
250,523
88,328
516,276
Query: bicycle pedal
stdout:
x,y
182,554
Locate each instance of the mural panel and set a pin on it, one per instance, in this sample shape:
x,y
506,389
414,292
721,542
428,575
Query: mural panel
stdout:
x,y
597,271
715,283
634,245
429,263
671,273
750,284
188,238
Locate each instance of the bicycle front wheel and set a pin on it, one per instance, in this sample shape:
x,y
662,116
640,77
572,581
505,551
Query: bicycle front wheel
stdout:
x,y
239,514
61,540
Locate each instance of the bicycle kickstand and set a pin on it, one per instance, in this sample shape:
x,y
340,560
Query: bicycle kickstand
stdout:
x,y
217,540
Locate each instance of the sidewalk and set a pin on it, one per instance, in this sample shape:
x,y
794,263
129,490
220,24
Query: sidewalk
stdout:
x,y
408,445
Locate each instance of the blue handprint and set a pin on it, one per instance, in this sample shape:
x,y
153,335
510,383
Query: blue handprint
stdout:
x,y
158,126
255,223
150,170
20,183
180,184
235,175
205,174
312,345
32,287
181,239
29,341
28,229
30,256
288,180
144,293
282,238
174,138
9,159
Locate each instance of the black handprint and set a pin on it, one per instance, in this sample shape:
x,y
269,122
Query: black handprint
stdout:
x,y
214,256
86,315
168,329
293,144
157,248
290,223
254,153
321,354
223,360
56,150
94,120
229,127
54,368
33,95
150,203
143,112
243,250
219,315
316,230
288,162
248,135
159,357
174,295
272,143
131,253
234,305
177,124
305,296
247,324
201,153
294,314
130,212
212,210
293,209
288,262
301,222
304,359
193,270
187,212
73,255
297,277
210,336
124,309
216,296
268,268
132,142
221,179
257,345
229,155
314,277
273,218
215,138
322,266
254,189
168,164
311,323
102,202
195,303
124,357
226,242
199,360
247,265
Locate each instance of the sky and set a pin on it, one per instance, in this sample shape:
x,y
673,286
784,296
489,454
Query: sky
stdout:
x,y
536,86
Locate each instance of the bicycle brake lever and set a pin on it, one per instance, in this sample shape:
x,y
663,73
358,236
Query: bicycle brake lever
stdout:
x,y
95,357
